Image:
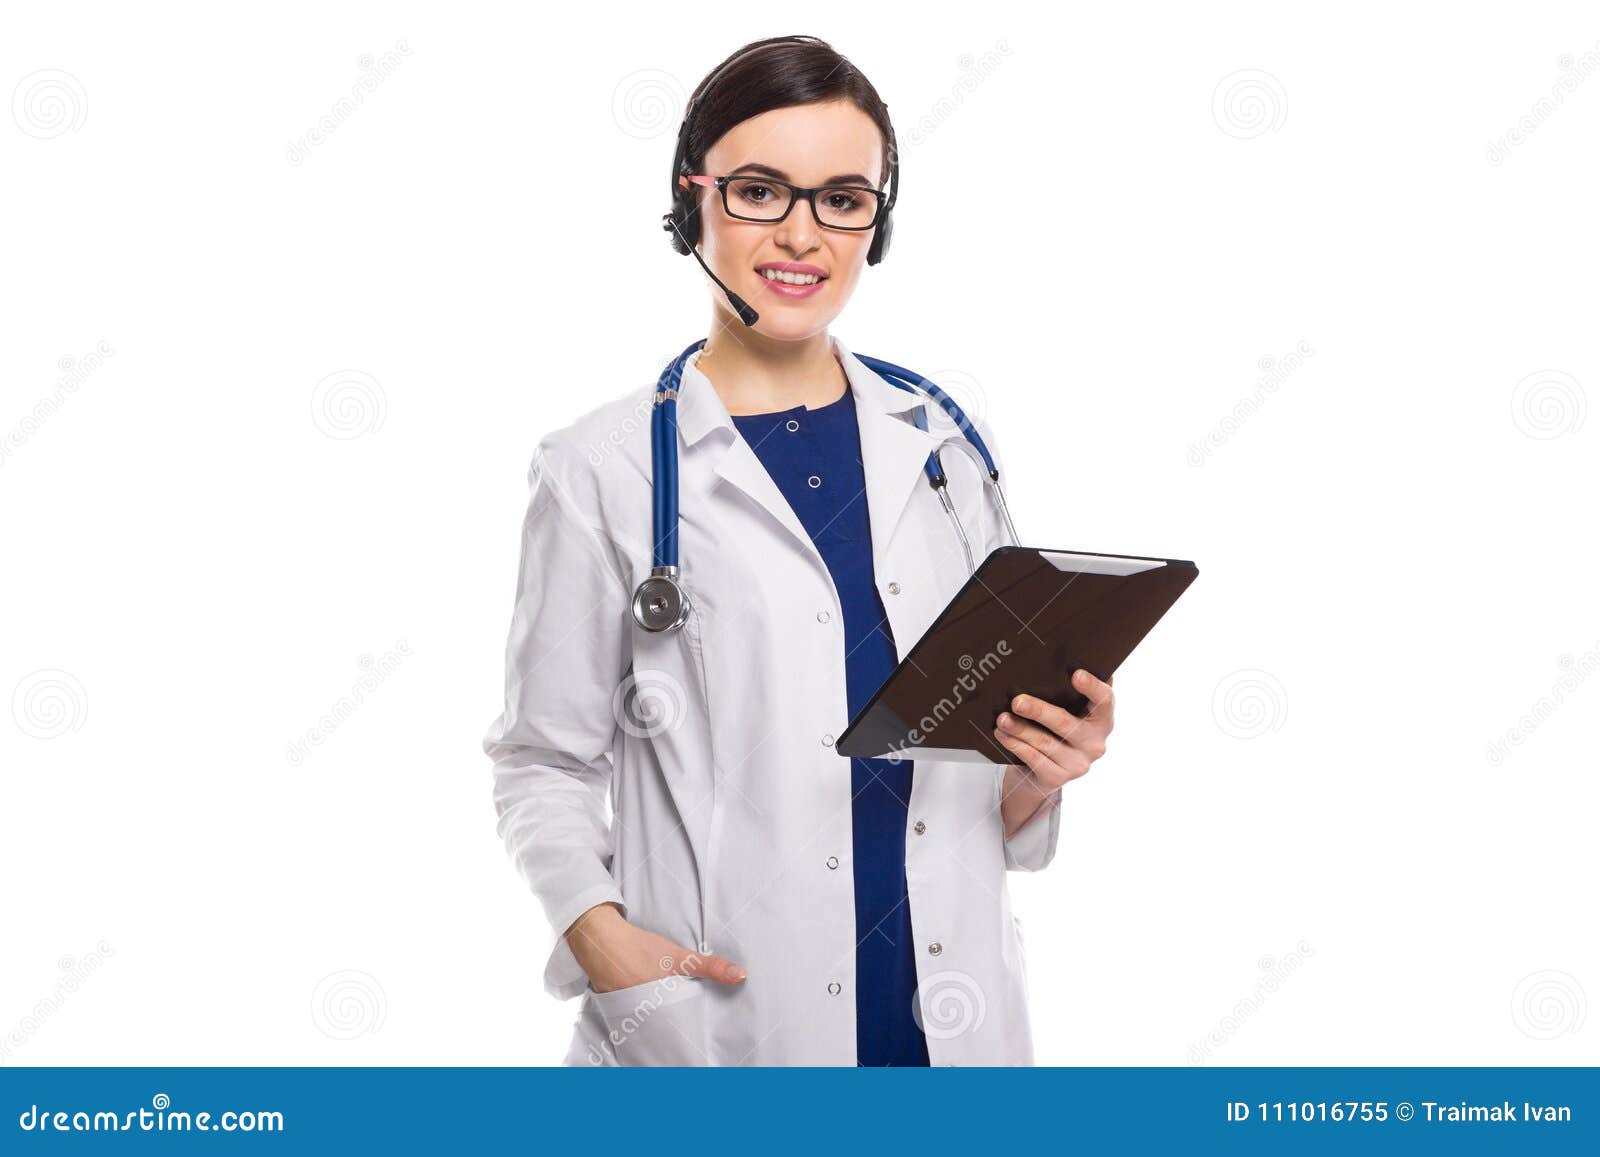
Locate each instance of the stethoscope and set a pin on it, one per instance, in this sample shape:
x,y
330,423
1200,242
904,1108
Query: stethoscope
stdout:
x,y
660,603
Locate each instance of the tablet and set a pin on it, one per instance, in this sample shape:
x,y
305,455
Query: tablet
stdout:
x,y
1024,621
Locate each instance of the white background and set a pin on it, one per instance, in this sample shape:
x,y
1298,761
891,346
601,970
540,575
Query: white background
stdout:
x,y
306,449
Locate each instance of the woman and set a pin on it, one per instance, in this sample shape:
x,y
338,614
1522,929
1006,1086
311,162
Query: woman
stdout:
x,y
756,898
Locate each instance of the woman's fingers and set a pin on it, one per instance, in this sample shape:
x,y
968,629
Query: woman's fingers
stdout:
x,y
1102,705
1048,715
709,967
1050,770
619,954
1032,734
1102,699
1088,738
1032,758
1088,733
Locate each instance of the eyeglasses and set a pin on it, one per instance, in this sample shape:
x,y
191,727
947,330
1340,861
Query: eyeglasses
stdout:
x,y
769,200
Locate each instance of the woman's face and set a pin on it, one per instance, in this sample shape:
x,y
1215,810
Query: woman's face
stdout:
x,y
808,145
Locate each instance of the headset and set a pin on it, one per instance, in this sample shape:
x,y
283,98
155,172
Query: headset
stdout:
x,y
683,222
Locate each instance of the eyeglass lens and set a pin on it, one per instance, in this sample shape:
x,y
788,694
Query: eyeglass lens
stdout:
x,y
756,199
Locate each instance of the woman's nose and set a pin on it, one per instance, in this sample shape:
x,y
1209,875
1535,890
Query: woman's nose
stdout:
x,y
799,231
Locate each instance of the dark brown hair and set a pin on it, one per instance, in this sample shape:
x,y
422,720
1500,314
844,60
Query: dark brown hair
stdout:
x,y
779,72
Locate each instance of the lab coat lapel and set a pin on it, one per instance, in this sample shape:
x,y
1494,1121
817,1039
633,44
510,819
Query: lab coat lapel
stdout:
x,y
740,468
893,451
702,414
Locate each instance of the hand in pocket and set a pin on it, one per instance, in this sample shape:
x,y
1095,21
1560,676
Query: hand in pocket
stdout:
x,y
616,954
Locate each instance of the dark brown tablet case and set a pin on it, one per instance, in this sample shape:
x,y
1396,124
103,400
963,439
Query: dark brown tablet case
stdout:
x,y
1022,623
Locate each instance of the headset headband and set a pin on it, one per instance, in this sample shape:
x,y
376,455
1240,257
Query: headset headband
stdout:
x,y
678,157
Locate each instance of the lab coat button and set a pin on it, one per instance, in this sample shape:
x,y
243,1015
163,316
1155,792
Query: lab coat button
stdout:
x,y
894,588
827,741
833,861
834,988
935,948
919,827
823,616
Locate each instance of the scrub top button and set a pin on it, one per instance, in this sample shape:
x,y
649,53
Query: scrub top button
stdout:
x,y
919,827
935,948
894,588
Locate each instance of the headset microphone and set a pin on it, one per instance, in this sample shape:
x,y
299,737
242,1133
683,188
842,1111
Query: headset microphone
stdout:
x,y
746,314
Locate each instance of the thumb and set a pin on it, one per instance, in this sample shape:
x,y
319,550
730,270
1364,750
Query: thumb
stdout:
x,y
708,967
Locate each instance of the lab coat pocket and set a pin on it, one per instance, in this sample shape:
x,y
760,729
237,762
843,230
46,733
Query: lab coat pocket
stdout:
x,y
660,1022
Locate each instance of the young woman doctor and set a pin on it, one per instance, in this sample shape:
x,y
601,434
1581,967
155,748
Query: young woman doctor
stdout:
x,y
755,898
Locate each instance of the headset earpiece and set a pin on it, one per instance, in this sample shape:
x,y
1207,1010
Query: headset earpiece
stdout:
x,y
879,249
880,238
683,222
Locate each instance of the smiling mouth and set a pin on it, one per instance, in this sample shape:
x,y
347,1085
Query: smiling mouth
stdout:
x,y
792,278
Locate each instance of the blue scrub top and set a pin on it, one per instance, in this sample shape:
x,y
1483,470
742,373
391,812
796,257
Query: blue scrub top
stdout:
x,y
815,458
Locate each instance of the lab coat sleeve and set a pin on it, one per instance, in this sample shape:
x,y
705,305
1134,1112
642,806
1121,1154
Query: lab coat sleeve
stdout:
x,y
552,743
1033,846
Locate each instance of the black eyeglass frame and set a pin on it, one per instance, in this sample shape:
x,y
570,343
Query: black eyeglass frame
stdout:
x,y
797,193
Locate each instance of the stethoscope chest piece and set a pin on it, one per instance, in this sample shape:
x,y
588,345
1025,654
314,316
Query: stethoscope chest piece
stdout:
x,y
660,603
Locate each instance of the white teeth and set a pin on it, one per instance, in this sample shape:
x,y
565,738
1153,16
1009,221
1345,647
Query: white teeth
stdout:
x,y
790,278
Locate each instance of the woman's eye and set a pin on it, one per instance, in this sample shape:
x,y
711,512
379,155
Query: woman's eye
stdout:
x,y
843,201
756,194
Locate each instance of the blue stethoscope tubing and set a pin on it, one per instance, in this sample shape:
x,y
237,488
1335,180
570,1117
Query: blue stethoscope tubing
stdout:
x,y
660,603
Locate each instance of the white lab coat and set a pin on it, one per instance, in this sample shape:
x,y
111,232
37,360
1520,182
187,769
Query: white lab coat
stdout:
x,y
731,824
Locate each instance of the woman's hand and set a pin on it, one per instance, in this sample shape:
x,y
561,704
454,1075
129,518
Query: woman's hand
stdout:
x,y
617,954
1054,745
